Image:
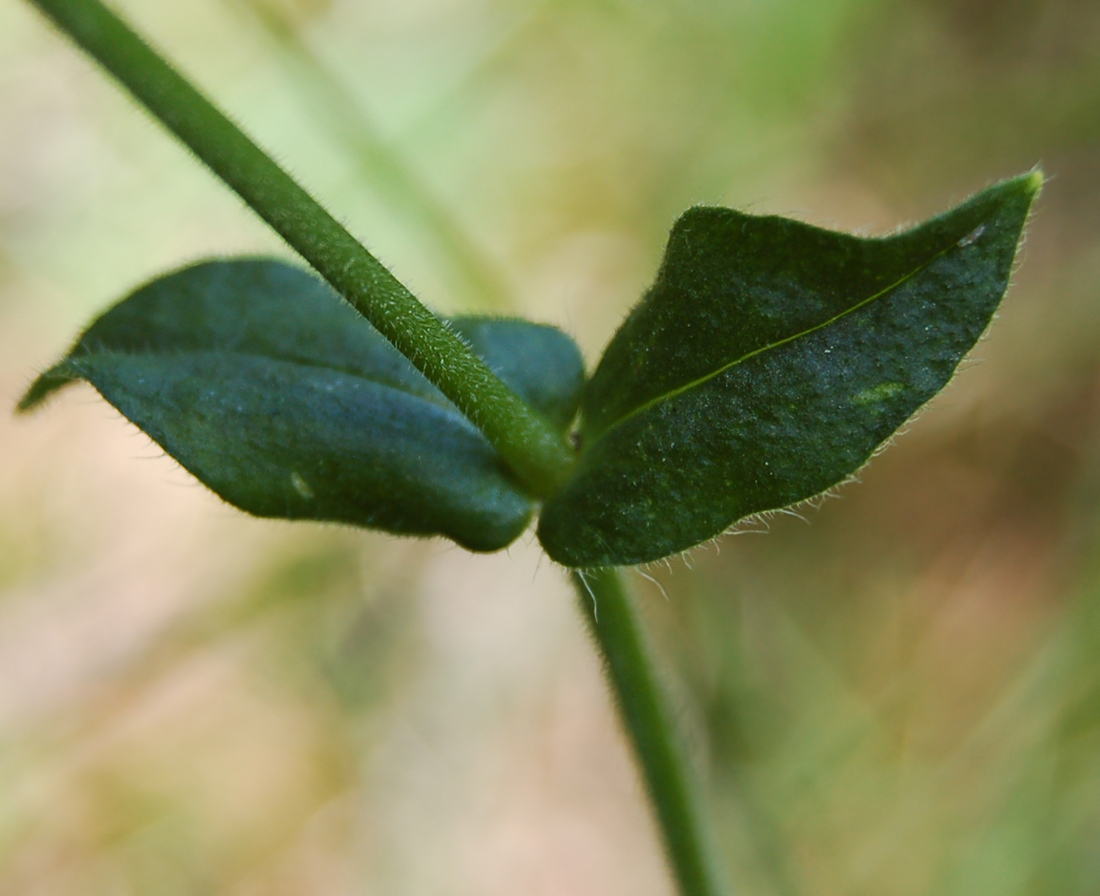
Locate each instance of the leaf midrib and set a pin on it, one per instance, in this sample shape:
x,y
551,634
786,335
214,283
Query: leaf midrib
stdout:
x,y
672,393
442,404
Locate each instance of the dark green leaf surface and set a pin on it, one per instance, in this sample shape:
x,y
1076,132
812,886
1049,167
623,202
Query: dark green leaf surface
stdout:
x,y
277,395
766,364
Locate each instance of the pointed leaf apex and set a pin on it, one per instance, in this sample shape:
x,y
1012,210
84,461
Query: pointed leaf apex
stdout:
x,y
1032,182
1024,186
43,387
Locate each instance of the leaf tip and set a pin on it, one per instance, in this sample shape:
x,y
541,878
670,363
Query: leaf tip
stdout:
x,y
42,388
30,399
1023,186
1034,180
1029,184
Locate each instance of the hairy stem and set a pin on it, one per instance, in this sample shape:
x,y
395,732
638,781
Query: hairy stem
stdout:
x,y
537,453
643,708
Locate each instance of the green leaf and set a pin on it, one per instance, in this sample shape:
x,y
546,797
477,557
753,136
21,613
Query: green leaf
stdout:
x,y
766,364
277,395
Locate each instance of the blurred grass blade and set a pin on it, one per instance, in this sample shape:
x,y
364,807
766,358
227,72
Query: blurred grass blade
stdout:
x,y
766,364
384,167
273,392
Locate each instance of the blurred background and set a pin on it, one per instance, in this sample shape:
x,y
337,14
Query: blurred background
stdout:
x,y
897,695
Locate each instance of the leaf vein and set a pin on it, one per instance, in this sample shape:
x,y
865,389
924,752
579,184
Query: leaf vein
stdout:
x,y
672,393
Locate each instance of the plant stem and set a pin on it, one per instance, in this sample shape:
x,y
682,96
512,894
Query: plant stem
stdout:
x,y
536,452
628,663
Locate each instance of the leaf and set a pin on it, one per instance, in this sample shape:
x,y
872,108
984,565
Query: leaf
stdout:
x,y
766,364
277,395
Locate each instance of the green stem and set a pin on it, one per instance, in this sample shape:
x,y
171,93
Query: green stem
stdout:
x,y
536,452
614,623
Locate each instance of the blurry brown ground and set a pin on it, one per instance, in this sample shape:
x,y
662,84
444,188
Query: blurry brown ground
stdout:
x,y
900,697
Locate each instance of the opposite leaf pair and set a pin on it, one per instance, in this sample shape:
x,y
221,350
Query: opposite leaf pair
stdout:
x,y
766,364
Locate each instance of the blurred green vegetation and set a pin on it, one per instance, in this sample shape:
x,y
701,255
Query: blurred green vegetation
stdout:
x,y
902,697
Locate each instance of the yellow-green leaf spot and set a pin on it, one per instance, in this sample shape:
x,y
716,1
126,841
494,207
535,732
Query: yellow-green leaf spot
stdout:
x,y
879,393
